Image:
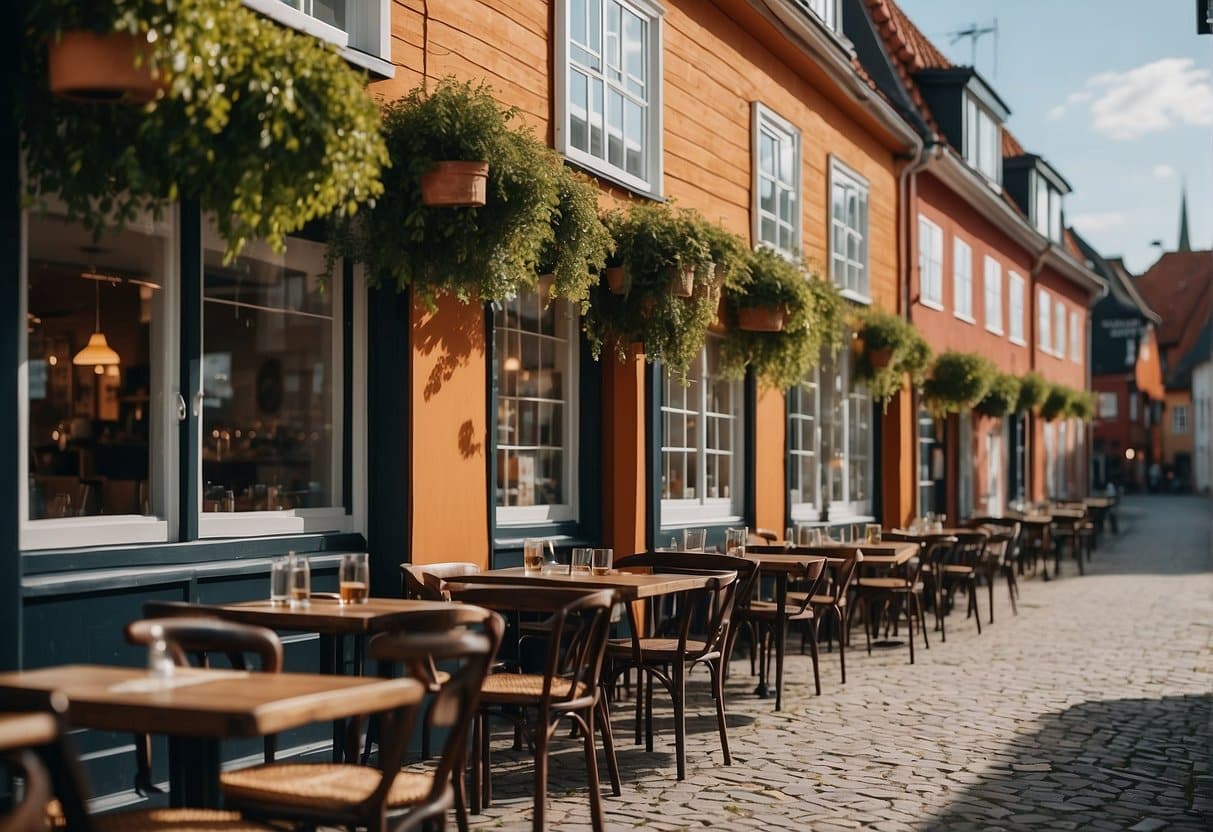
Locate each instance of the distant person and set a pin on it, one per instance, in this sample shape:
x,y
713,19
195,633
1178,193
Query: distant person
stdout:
x,y
1155,477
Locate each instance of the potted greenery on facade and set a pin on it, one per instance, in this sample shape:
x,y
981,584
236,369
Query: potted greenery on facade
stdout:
x,y
653,242
1082,405
580,244
888,348
813,313
261,164
1032,392
1001,398
958,381
1056,404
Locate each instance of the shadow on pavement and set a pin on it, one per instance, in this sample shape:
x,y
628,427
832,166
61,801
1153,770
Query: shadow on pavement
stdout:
x,y
1140,764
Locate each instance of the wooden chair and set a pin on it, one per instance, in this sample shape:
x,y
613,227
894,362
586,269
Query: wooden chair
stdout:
x,y
1066,530
191,637
384,797
833,600
960,566
19,735
427,582
570,686
1002,555
672,649
898,592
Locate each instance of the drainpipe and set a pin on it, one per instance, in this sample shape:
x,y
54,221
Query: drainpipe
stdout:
x,y
907,186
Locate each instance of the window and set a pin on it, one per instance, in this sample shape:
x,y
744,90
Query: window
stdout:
x,y
98,372
1179,419
982,141
1059,330
1075,337
1046,208
1134,397
608,89
776,182
271,391
804,443
1108,405
828,11
362,25
1044,316
962,279
1016,312
702,435
930,262
848,230
535,344
993,292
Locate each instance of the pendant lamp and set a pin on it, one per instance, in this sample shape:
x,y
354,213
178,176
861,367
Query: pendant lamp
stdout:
x,y
97,352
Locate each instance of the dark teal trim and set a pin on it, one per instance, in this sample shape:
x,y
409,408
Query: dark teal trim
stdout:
x,y
189,440
492,388
347,374
652,451
876,417
749,477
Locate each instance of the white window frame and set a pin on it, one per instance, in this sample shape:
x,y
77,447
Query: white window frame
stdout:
x,y
332,518
766,120
367,40
992,291
975,114
1059,329
652,183
1016,289
1109,405
107,530
962,280
845,177
566,511
829,12
810,393
1044,321
930,263
700,509
1075,337
1179,420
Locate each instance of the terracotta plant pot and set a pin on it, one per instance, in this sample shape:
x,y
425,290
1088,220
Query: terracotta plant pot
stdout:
x,y
684,282
617,280
455,184
762,318
879,359
88,66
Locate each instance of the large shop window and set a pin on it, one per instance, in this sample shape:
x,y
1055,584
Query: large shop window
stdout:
x,y
98,357
849,231
831,426
930,262
776,182
536,349
609,88
930,463
271,391
702,443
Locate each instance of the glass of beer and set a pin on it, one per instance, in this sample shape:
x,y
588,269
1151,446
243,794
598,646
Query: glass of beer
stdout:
x,y
354,579
871,532
535,553
299,582
582,562
280,576
601,560
735,540
693,539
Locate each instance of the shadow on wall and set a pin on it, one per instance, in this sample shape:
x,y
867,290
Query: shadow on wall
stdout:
x,y
1119,762
450,334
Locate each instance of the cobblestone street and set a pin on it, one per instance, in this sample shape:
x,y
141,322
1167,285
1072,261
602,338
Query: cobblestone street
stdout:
x,y
1091,709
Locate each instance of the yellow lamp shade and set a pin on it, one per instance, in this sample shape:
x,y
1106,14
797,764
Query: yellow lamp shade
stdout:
x,y
96,353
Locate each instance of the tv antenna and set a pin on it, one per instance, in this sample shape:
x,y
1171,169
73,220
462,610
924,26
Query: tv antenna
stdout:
x,y
975,32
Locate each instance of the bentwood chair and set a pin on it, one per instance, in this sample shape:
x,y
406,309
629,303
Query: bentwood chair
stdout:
x,y
427,582
959,567
569,686
191,637
896,593
1066,531
833,600
1002,555
769,618
385,797
19,734
673,648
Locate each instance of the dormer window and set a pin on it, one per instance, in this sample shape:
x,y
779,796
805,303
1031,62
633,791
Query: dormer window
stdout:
x,y
982,140
829,12
1046,208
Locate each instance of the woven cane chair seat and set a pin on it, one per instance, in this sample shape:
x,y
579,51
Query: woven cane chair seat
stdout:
x,y
320,785
514,686
176,820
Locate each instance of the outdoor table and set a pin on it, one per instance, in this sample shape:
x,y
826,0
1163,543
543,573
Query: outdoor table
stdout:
x,y
631,586
780,565
1099,507
332,620
197,708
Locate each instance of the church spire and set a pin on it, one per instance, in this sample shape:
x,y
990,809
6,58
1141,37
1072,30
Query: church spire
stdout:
x,y
1185,244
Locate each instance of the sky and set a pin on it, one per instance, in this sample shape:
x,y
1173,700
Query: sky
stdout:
x,y
1117,95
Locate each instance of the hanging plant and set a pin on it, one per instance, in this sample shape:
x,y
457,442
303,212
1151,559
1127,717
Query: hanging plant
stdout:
x,y
888,348
266,128
813,310
958,380
580,243
1032,392
1082,405
1057,403
1001,398
653,242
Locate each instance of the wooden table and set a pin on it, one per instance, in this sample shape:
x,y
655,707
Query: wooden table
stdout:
x,y
887,553
198,708
632,586
1100,508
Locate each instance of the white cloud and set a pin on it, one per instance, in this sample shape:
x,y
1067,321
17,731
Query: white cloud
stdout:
x,y
1163,171
1098,221
1149,98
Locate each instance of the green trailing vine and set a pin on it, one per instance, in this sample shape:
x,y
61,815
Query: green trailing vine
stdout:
x,y
958,381
1002,397
1032,392
580,243
907,353
266,128
813,322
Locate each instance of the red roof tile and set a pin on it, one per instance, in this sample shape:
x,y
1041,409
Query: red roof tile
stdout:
x,y
909,49
1179,287
1010,145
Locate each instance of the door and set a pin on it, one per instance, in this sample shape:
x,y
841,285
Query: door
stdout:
x,y
994,451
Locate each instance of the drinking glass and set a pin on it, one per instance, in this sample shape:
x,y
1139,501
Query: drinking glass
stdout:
x,y
871,532
601,561
789,535
299,582
693,539
536,551
354,579
581,562
735,540
280,571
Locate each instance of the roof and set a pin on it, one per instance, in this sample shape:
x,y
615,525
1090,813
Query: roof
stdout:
x,y
1120,281
1179,287
910,50
1010,145
1200,351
